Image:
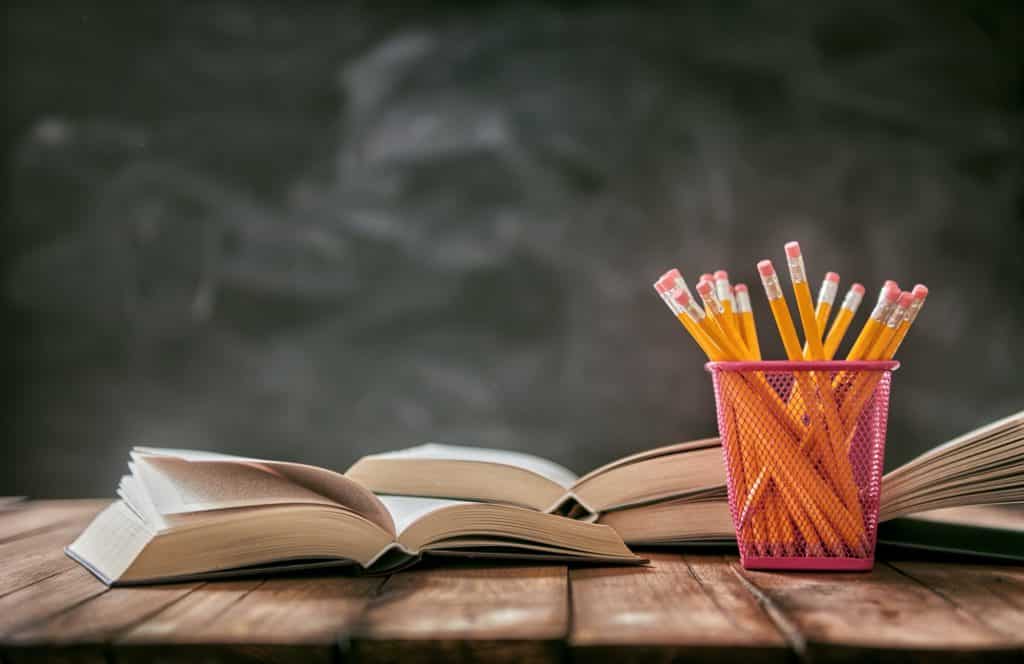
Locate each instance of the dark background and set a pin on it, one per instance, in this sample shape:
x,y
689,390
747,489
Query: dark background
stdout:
x,y
311,231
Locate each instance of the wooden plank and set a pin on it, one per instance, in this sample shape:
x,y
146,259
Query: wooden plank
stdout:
x,y
881,615
81,632
45,598
994,594
679,607
184,620
465,612
32,558
40,515
298,619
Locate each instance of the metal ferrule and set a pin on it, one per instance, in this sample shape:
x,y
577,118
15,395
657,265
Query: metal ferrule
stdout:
x,y
743,302
771,286
695,311
722,288
828,292
913,310
712,302
796,269
895,317
852,301
882,310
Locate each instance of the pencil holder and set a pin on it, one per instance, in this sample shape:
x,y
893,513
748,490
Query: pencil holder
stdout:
x,y
803,445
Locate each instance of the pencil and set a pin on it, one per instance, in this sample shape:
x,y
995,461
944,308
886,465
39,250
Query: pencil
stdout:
x,y
747,324
696,321
892,323
865,388
847,310
724,291
706,276
804,304
826,298
920,293
886,301
727,340
777,302
670,286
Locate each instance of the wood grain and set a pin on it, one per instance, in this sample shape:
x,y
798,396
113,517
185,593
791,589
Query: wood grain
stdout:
x,y
881,615
467,612
993,594
82,630
296,619
679,607
40,515
30,559
46,598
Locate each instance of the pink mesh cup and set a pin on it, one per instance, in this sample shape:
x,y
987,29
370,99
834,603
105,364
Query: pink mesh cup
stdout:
x,y
803,445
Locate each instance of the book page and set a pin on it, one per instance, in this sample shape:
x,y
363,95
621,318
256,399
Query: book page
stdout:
x,y
547,469
332,486
665,450
134,494
407,510
1006,426
176,486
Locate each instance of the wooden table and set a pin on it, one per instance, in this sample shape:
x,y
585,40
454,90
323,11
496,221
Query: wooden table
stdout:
x,y
684,607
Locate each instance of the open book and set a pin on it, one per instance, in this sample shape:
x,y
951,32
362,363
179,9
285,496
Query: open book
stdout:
x,y
474,473
184,514
676,494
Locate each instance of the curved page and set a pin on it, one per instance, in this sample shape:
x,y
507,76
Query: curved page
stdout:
x,y
191,480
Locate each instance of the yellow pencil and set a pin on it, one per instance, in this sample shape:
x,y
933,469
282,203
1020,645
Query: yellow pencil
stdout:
x,y
777,302
724,291
696,322
746,314
920,294
886,301
826,298
865,387
892,323
804,304
670,286
847,310
726,339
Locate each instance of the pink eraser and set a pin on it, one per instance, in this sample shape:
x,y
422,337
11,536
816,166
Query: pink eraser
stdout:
x,y
920,291
892,292
740,288
707,276
682,298
832,276
721,275
766,268
890,284
858,289
793,249
705,287
906,297
667,281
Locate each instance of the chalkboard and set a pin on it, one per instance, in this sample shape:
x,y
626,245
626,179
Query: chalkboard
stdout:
x,y
315,232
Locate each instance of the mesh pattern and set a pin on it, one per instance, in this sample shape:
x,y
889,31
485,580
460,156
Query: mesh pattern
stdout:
x,y
803,452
